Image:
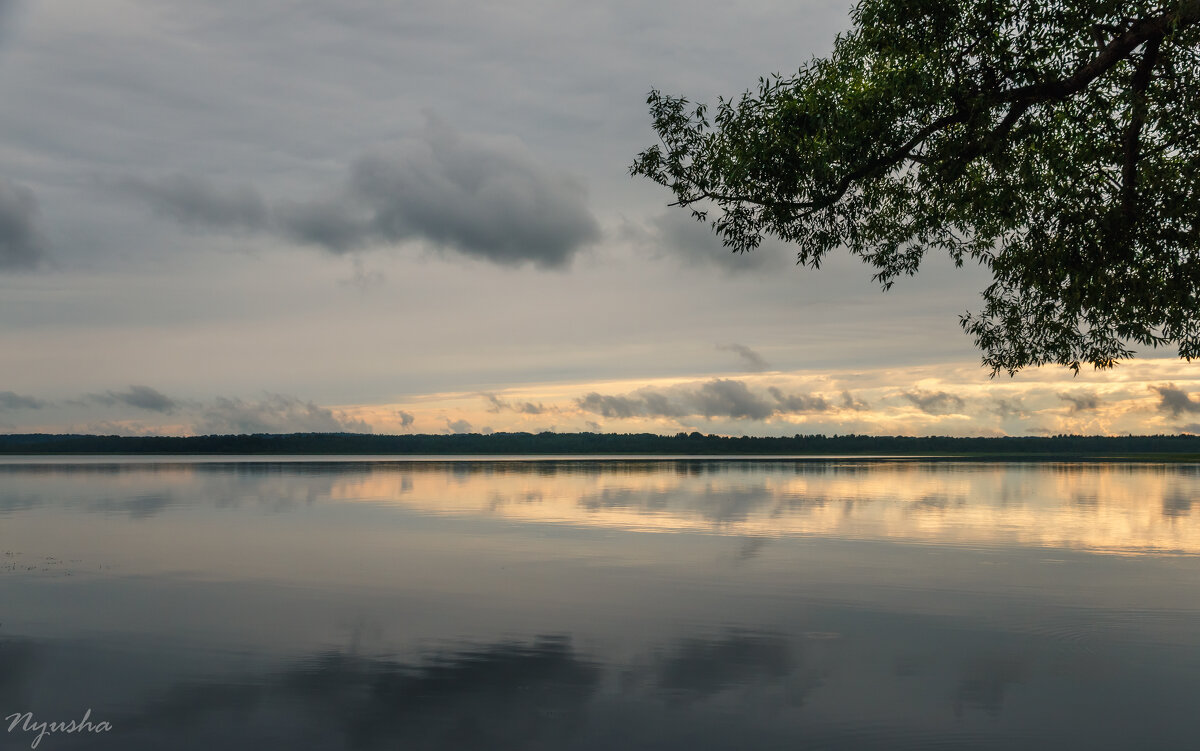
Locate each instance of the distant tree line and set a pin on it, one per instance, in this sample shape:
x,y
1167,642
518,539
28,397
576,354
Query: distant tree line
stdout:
x,y
598,443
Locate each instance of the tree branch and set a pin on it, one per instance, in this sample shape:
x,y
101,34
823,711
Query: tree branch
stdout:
x,y
1119,48
1137,118
1019,99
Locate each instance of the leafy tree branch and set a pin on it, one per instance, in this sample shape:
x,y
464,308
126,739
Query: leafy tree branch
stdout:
x,y
1055,143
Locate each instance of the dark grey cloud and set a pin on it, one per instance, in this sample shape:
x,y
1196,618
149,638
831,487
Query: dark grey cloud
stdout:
x,y
752,360
458,426
276,413
1175,401
497,403
503,405
1009,408
849,401
607,405
199,203
335,224
661,405
798,402
141,397
1080,401
720,397
11,400
934,402
406,418
22,245
476,197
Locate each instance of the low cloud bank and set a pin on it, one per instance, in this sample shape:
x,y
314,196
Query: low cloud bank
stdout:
x,y
139,397
12,400
276,413
935,402
718,398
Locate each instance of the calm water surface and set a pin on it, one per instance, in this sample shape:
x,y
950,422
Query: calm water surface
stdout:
x,y
601,604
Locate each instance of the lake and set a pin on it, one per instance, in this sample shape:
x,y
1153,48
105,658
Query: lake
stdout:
x,y
293,603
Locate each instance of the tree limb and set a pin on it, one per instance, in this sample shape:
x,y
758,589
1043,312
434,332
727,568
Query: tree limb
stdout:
x,y
1137,118
1020,99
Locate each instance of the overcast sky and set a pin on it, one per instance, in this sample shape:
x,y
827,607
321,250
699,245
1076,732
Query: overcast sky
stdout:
x,y
278,215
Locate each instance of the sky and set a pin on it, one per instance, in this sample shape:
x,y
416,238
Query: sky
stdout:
x,y
416,217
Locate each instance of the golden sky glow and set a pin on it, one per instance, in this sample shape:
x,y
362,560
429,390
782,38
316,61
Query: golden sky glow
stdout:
x,y
949,399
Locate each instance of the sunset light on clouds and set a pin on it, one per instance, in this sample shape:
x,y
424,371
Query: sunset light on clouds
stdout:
x,y
1149,396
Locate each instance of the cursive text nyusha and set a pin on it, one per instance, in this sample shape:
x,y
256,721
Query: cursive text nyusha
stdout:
x,y
25,722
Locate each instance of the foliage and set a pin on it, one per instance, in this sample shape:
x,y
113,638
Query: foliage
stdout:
x,y
1056,143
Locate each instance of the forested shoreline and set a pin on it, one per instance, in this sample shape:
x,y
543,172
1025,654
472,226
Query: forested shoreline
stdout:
x,y
1178,446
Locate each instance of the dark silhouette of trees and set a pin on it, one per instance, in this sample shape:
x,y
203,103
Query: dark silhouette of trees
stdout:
x,y
558,444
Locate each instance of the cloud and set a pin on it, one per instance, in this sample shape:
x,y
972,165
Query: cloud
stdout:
x,y
621,407
10,400
849,401
1175,401
658,404
22,245
141,397
362,279
752,359
473,196
406,418
198,203
116,427
458,426
798,402
934,402
1009,408
1081,401
335,224
277,413
727,398
720,397
503,405
478,198
677,233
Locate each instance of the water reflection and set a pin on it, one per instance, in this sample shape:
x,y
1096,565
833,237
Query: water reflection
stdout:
x,y
699,668
1130,508
735,690
591,605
